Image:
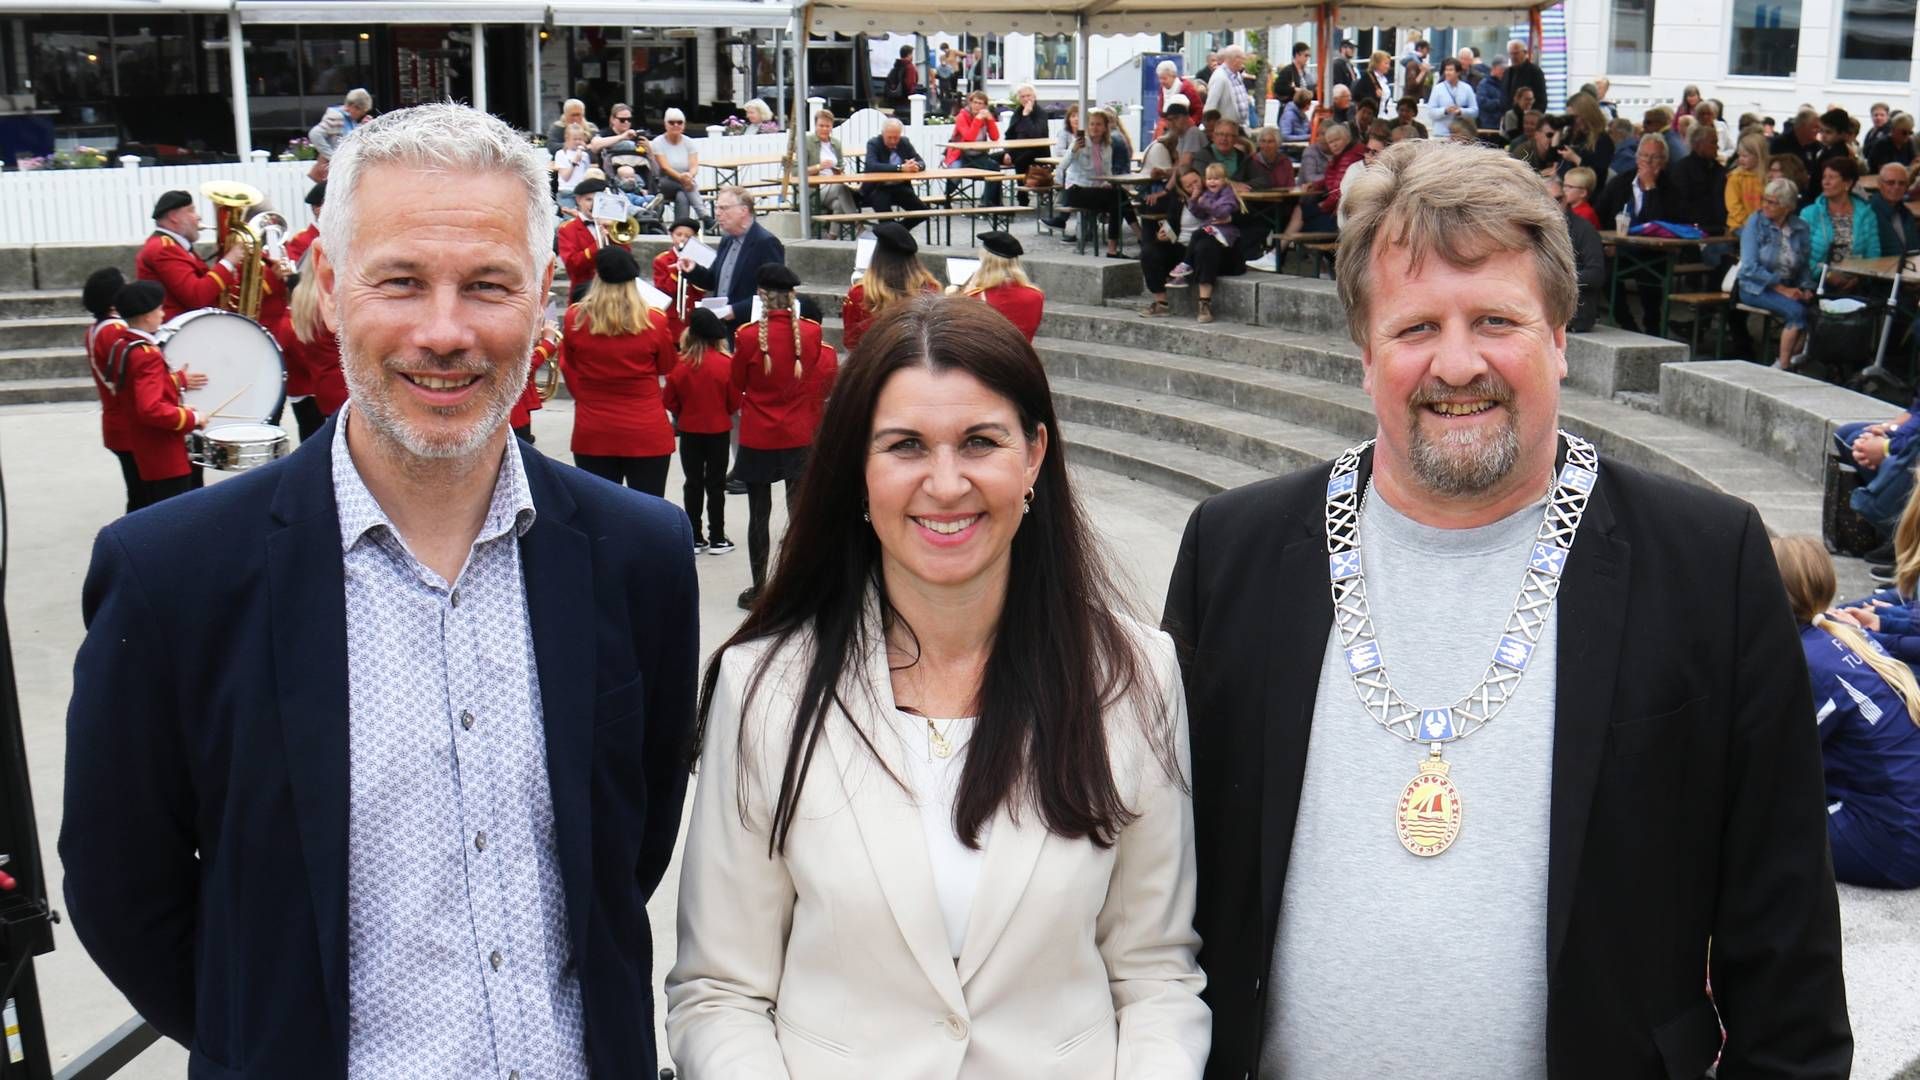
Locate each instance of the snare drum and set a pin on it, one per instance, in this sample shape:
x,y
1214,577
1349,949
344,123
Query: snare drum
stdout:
x,y
237,447
246,384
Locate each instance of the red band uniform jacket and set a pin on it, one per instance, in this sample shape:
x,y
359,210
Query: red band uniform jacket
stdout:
x,y
189,281
157,423
523,410
778,409
1023,305
615,383
666,278
703,399
109,381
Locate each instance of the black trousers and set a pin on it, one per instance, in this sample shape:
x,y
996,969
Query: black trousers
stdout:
x,y
309,418
703,458
895,196
158,490
760,526
993,196
130,475
648,474
1209,259
1112,202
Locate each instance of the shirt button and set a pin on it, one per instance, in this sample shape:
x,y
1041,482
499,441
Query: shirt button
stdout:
x,y
513,1074
956,1027
466,720
480,841
496,960
455,598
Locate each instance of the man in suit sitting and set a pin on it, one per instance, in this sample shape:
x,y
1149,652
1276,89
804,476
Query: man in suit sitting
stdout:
x,y
892,152
1898,233
747,247
1413,790
379,783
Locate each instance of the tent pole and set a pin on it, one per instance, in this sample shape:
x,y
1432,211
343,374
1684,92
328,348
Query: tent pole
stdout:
x,y
1080,64
1322,48
801,123
1535,34
780,74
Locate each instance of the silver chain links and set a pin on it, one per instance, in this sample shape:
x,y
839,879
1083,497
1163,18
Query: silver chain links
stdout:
x,y
1539,586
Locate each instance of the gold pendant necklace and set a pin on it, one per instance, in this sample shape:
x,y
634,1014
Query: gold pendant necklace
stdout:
x,y
941,747
1428,820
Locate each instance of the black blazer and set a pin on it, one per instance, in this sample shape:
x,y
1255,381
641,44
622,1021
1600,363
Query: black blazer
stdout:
x,y
880,159
1663,203
205,825
1688,798
758,247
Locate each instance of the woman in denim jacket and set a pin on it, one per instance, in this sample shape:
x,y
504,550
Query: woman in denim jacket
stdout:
x,y
1775,263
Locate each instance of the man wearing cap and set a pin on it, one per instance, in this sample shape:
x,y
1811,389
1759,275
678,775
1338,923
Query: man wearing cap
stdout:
x,y
1004,286
148,395
1344,73
745,247
581,238
668,279
299,242
398,810
168,258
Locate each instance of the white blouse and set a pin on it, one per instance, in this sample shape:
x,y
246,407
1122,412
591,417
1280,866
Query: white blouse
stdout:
x,y
936,781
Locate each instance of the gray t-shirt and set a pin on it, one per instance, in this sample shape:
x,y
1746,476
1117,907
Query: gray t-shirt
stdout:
x,y
1384,959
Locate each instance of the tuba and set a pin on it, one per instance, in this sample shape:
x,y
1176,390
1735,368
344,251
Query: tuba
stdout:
x,y
259,238
623,231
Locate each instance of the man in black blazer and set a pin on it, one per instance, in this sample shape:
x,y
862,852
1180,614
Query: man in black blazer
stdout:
x,y
1624,803
892,152
745,247
376,754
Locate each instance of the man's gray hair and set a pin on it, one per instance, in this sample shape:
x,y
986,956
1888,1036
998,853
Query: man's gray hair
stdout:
x,y
1658,143
449,141
891,123
1342,91
1232,51
1463,204
359,98
1167,67
740,195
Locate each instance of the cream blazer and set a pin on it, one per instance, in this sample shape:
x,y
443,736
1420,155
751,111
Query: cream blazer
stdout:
x,y
832,962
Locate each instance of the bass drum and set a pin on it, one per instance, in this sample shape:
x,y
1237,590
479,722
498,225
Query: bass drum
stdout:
x,y
246,381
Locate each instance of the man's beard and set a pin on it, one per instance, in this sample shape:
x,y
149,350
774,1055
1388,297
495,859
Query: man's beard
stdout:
x,y
373,396
1466,462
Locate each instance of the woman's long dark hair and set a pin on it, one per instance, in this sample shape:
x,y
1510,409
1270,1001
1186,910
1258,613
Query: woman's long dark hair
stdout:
x,y
1061,654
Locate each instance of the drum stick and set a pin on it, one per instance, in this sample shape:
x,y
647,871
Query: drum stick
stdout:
x,y
236,397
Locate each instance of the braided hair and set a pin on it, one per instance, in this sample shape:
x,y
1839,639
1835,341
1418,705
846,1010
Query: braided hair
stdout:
x,y
772,300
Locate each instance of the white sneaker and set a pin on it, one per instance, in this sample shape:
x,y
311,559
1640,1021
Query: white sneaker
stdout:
x,y
1269,263
1180,271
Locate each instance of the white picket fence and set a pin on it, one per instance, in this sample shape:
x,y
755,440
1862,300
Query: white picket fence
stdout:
x,y
115,204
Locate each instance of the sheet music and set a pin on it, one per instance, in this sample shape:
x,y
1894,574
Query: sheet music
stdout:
x,y
717,304
699,253
862,256
961,271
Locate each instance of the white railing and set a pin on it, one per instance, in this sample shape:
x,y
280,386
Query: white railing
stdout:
x,y
115,205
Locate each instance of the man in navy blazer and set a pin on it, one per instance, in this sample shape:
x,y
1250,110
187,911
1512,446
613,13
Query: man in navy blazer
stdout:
x,y
376,754
892,152
746,247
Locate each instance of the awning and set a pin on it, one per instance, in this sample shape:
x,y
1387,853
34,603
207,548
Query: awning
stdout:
x,y
736,14
742,14
1114,17
116,7
403,11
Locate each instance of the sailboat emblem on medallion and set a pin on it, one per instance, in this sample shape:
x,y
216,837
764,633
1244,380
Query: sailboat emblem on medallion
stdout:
x,y
1428,820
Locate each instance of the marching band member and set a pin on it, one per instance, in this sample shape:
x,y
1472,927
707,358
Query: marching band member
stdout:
x,y
299,242
668,279
582,238
156,420
701,396
1004,286
777,415
313,358
544,351
168,258
894,275
613,350
102,336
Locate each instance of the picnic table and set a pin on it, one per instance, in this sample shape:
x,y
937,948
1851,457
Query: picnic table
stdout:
x,y
1895,270
1275,204
729,168
1656,255
990,145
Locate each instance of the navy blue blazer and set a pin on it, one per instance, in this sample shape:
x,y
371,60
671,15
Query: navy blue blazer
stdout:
x,y
758,247
880,159
205,828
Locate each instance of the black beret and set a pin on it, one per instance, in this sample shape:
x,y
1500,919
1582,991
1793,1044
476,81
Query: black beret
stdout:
x,y
1002,244
810,309
893,236
707,326
778,278
138,297
685,223
97,295
577,291
590,186
169,201
317,194
616,265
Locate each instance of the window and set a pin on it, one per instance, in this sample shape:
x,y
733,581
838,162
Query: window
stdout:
x,y
1631,49
1876,40
996,56
1766,38
1053,56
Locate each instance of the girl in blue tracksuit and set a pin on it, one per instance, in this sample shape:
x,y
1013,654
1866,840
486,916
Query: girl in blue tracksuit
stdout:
x,y
1868,707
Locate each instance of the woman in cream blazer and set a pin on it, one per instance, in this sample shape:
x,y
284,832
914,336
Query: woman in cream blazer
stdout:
x,y
852,934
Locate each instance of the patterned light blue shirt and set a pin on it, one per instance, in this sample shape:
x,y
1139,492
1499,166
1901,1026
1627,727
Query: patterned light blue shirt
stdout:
x,y
458,960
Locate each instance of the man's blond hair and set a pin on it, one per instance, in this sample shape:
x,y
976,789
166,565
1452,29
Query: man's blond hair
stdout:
x,y
1461,204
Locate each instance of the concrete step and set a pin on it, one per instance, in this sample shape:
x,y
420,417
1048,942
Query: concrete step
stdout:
x,y
41,391
1266,444
37,303
1324,356
54,363
45,332
1179,469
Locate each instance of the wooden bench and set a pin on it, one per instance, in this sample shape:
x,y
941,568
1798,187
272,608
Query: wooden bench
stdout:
x,y
997,216
1703,306
1318,246
1769,347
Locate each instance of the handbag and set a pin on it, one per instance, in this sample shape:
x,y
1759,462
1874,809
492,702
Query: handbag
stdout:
x,y
1039,175
1843,529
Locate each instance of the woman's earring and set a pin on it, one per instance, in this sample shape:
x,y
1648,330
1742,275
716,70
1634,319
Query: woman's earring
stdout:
x,y
865,514
1027,506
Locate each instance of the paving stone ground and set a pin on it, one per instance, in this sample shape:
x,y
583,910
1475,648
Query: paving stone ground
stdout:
x,y
61,487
